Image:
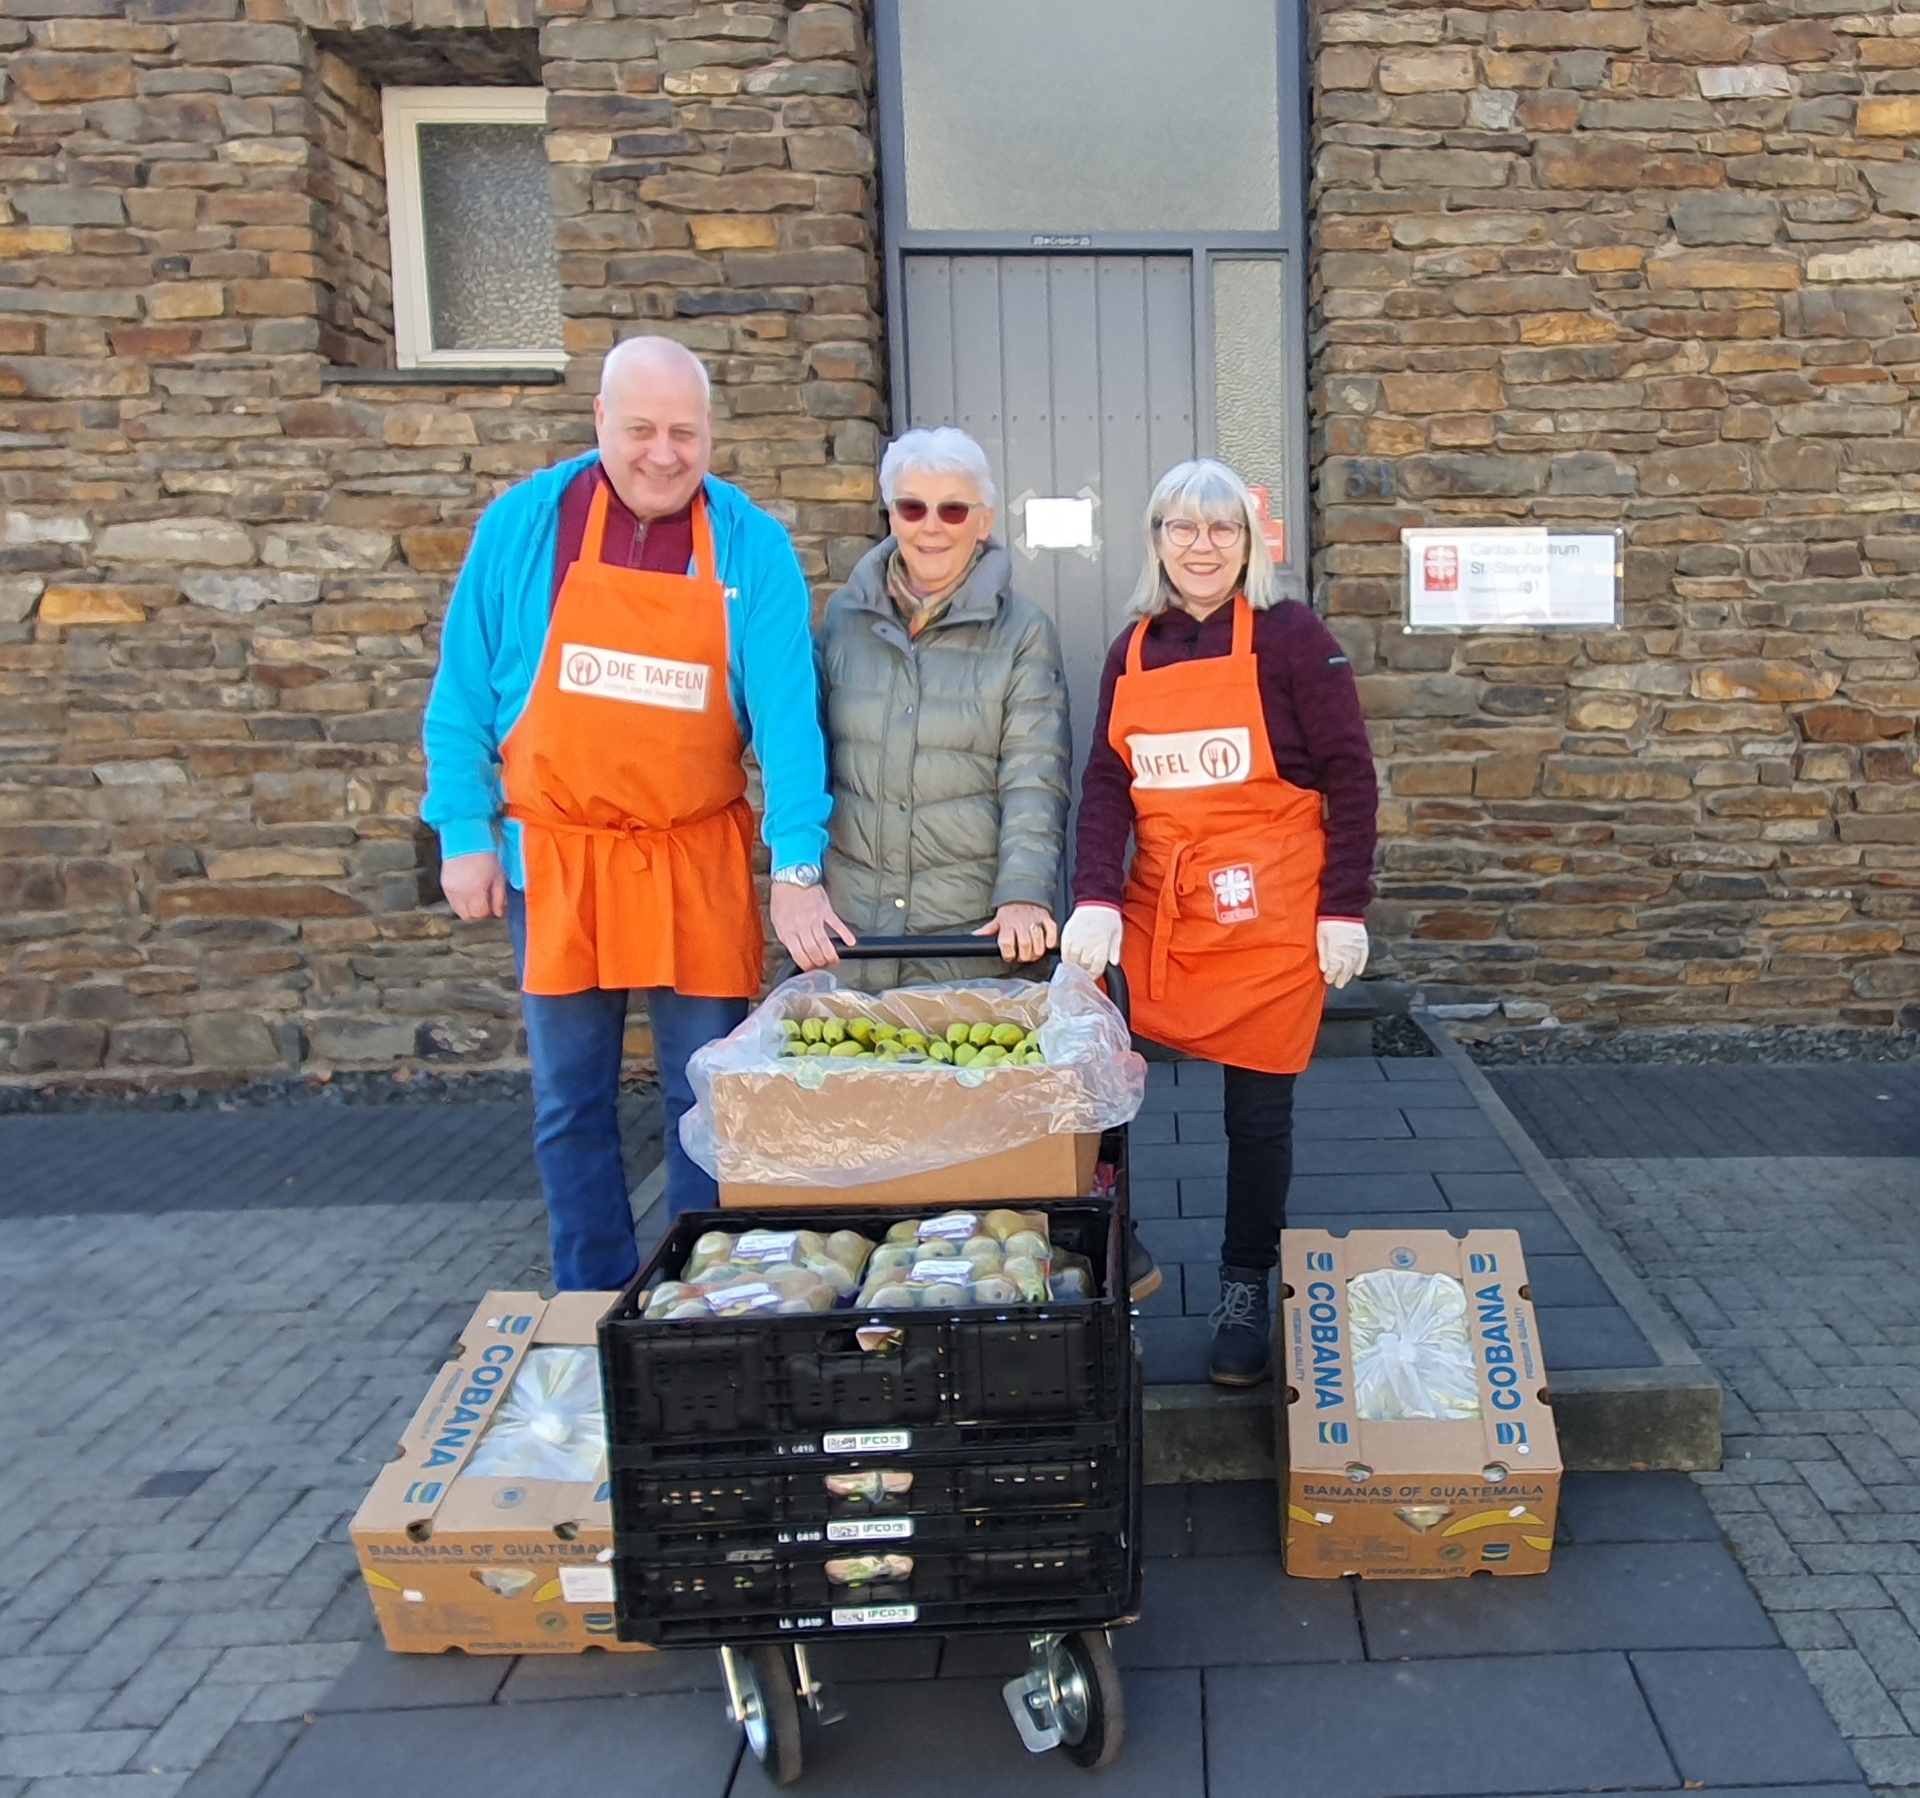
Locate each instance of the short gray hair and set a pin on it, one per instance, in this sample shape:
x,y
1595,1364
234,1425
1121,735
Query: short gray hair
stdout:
x,y
1206,490
945,449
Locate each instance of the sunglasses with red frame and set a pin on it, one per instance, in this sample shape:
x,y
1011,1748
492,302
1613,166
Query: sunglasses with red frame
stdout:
x,y
949,511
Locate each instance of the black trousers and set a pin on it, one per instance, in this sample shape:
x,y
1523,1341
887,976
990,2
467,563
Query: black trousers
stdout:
x,y
1259,1166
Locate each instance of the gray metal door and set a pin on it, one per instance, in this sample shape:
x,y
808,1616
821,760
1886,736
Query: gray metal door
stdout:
x,y
1076,375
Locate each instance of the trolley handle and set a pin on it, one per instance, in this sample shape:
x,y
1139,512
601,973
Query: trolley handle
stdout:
x,y
956,947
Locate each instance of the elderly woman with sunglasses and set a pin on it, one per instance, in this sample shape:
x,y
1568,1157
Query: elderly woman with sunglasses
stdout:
x,y
946,723
1230,747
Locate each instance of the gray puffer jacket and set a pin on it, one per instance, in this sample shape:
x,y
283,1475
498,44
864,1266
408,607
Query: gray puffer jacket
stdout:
x,y
950,760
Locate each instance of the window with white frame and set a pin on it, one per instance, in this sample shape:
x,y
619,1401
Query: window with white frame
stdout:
x,y
476,280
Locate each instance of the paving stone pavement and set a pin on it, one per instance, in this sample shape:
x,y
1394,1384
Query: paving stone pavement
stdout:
x,y
1640,1663
1797,1277
1379,1144
206,1357
168,1635
1854,1110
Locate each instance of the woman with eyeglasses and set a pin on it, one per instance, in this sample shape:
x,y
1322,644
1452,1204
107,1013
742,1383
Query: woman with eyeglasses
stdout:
x,y
946,723
1230,747
947,732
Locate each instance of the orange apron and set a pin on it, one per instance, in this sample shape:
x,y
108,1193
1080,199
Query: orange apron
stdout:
x,y
625,774
1224,892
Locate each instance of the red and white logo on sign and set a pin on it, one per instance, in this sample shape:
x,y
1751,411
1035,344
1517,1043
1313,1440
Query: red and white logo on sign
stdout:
x,y
1234,899
1440,569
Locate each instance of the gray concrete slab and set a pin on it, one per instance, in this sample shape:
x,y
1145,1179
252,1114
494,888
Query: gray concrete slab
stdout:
x,y
1743,1716
675,1745
1635,1507
1348,1194
1592,1336
1565,1280
1619,1595
376,1680
1230,1610
543,1678
1541,1233
1558,1723
896,1744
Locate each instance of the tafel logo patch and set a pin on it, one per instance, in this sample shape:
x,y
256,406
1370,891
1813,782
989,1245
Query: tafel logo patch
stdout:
x,y
636,680
1191,758
1235,898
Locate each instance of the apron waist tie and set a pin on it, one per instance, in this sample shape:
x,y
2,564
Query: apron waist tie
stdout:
x,y
644,837
1166,911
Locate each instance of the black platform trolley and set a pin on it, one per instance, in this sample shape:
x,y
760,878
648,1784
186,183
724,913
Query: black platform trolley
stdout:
x,y
735,1451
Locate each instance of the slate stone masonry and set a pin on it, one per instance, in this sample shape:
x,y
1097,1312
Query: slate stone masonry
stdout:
x,y
1643,266
1646,267
224,558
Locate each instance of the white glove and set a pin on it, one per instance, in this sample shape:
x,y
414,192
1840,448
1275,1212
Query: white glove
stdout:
x,y
1343,950
1091,939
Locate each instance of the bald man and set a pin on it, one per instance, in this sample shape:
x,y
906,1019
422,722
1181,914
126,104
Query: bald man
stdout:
x,y
625,628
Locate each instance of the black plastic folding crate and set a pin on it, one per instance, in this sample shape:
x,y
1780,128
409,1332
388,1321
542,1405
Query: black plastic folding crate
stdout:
x,y
1042,1575
674,1503
1027,1381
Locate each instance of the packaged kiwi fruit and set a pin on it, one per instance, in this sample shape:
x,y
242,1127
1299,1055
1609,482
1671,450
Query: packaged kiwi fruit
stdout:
x,y
872,1042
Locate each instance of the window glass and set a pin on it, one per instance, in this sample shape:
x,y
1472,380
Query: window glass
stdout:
x,y
1250,351
493,280
1091,115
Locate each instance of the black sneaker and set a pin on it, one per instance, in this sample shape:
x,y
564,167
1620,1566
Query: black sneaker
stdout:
x,y
1242,1329
1144,1277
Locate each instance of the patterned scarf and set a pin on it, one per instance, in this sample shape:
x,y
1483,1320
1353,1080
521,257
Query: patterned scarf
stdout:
x,y
918,610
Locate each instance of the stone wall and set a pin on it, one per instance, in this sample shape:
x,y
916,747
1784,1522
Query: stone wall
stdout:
x,y
1642,266
1649,267
223,558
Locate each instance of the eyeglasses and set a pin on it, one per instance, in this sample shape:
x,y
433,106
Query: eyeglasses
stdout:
x,y
1184,533
949,511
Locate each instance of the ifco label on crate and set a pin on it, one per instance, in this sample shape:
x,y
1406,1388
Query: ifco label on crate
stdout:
x,y
866,1442
869,1529
865,1616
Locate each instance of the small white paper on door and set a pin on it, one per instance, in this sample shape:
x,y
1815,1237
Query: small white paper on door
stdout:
x,y
1060,524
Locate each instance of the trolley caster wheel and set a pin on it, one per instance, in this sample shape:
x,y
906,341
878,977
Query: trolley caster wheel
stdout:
x,y
769,1712
1090,1708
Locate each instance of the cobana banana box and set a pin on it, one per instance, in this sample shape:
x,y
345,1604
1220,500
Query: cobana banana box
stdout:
x,y
491,1529
1410,1398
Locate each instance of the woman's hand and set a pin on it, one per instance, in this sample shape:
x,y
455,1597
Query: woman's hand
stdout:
x,y
1026,932
1343,949
1091,939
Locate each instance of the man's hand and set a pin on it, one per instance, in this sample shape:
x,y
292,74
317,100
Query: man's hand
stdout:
x,y
1026,932
475,885
802,917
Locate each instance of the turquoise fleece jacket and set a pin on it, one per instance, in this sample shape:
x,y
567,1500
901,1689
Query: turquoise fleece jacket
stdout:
x,y
496,631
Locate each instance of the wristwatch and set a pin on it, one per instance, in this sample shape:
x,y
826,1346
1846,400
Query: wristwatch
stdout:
x,y
801,874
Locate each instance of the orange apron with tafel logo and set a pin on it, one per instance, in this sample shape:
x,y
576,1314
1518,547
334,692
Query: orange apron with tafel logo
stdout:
x,y
1223,896
625,774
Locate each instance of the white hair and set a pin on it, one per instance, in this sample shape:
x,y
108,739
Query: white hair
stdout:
x,y
1205,490
946,449
654,351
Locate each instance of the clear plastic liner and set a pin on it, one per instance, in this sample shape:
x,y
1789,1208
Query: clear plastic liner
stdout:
x,y
550,1426
764,1119
1412,1354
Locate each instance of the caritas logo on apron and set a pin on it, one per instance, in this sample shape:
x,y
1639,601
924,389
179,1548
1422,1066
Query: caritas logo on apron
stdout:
x,y
638,680
1191,758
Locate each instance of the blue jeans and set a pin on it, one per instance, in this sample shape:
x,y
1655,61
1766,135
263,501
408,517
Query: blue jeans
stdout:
x,y
574,1043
